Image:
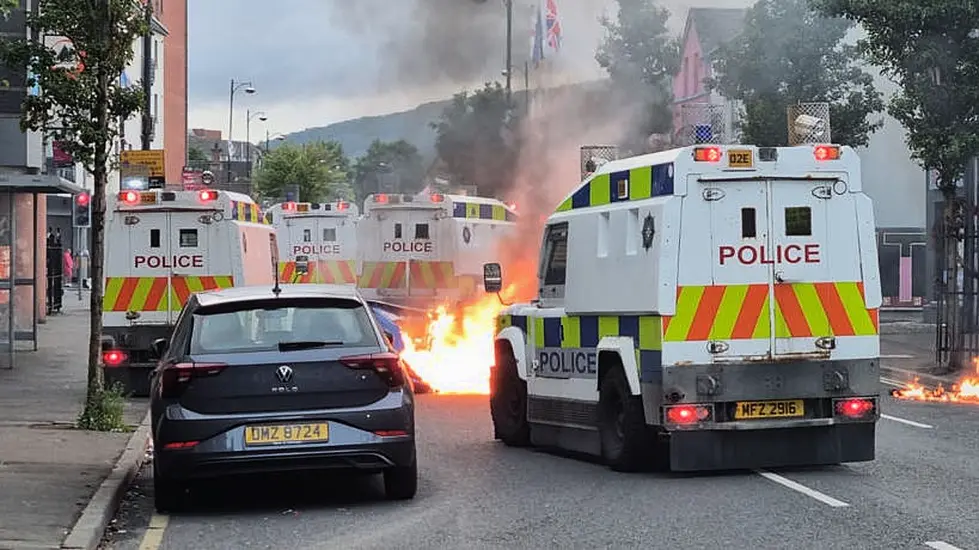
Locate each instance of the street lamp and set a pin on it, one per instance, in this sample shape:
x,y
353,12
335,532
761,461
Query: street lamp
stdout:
x,y
249,115
235,86
277,137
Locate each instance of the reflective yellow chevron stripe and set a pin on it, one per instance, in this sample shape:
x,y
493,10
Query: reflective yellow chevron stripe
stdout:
x,y
802,310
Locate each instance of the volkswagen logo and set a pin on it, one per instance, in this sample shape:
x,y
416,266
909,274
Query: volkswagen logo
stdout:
x,y
284,373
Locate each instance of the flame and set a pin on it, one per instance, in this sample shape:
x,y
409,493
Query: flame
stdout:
x,y
452,349
965,390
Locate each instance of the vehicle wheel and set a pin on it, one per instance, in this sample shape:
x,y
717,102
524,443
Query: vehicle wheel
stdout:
x,y
401,482
168,495
621,424
508,403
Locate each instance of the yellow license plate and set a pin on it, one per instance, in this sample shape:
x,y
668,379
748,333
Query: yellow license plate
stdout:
x,y
286,433
740,158
769,409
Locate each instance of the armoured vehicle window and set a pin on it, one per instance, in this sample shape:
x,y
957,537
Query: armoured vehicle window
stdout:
x,y
557,254
421,231
307,235
748,229
188,238
798,221
397,231
154,238
330,234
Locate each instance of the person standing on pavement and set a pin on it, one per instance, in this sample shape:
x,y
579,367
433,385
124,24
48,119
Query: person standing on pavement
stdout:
x,y
68,265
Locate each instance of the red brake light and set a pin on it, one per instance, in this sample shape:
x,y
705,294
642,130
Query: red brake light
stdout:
x,y
436,197
855,408
343,205
114,357
687,414
827,152
390,433
181,445
707,154
129,197
207,195
381,198
289,206
176,376
387,365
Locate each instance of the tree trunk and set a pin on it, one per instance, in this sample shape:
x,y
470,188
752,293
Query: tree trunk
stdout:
x,y
954,336
100,171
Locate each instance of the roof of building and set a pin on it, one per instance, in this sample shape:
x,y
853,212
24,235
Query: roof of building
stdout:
x,y
715,26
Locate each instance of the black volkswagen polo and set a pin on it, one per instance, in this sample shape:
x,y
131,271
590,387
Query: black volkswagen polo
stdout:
x,y
269,379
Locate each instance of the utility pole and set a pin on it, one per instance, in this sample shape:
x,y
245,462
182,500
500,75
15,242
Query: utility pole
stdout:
x,y
147,130
509,47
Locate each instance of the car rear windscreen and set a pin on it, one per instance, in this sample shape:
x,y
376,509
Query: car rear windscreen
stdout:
x,y
268,324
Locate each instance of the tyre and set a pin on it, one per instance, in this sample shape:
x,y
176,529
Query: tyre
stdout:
x,y
508,402
621,424
401,482
168,495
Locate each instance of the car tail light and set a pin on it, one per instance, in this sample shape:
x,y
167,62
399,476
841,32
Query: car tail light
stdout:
x,y
175,377
114,357
381,198
387,365
207,195
343,205
290,206
855,408
436,197
686,414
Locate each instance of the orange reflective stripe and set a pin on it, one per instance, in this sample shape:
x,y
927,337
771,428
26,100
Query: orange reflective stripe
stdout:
x,y
754,308
180,291
397,279
126,294
155,299
706,312
791,313
839,321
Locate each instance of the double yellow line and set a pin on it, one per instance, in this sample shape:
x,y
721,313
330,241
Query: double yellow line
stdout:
x,y
153,538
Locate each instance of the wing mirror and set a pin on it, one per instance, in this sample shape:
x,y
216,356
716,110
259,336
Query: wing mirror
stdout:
x,y
492,277
159,347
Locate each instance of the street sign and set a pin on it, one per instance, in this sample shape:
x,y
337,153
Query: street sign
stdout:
x,y
135,162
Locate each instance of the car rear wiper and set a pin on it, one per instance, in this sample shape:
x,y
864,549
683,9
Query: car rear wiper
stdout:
x,y
307,344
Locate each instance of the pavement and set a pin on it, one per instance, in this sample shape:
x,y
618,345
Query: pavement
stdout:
x,y
49,471
475,492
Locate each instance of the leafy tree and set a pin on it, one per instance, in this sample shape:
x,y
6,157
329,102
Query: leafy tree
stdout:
x,y
320,169
474,139
930,48
81,104
789,53
641,57
395,159
196,156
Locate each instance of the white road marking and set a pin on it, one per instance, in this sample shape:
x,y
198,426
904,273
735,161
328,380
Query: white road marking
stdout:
x,y
897,356
812,493
892,382
939,545
908,422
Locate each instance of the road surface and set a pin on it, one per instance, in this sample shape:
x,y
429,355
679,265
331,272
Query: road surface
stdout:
x,y
477,493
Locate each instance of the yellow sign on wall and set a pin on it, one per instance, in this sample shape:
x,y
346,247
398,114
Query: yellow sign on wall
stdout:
x,y
152,159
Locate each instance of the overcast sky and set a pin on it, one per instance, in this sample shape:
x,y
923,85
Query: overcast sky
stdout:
x,y
315,62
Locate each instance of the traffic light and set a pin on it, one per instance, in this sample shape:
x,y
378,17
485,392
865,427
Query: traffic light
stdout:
x,y
82,212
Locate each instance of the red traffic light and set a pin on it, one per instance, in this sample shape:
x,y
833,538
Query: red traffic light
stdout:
x,y
82,199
